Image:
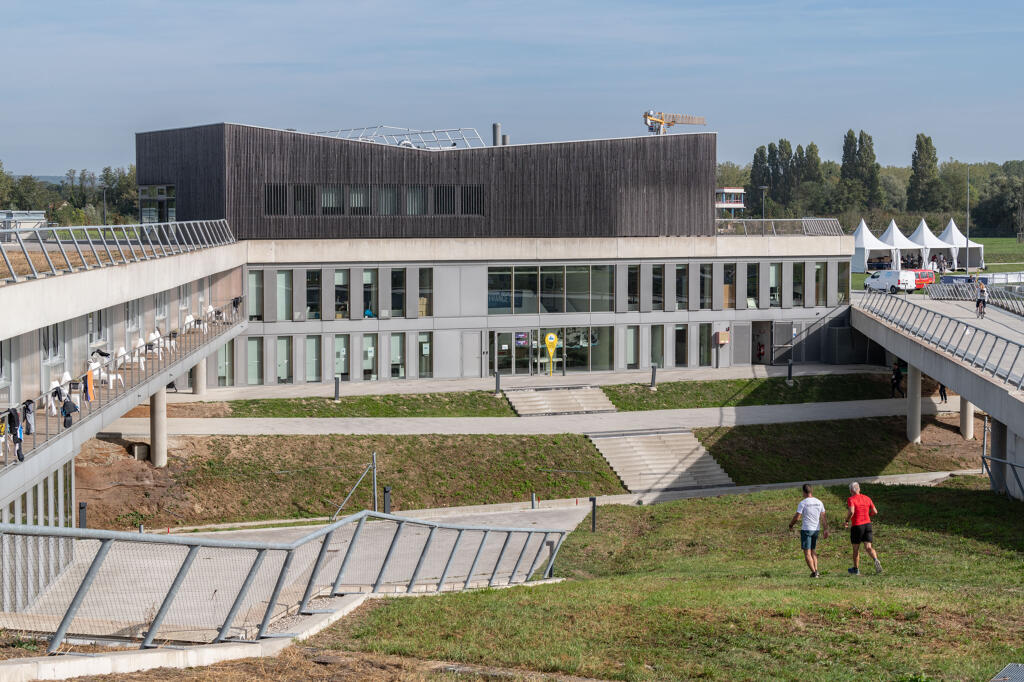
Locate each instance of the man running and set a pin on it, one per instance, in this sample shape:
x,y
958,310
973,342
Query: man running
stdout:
x,y
813,512
859,510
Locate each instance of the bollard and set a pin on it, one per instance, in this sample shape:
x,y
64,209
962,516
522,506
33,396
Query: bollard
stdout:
x,y
387,499
789,371
337,388
81,515
142,529
497,384
593,514
654,377
374,462
533,500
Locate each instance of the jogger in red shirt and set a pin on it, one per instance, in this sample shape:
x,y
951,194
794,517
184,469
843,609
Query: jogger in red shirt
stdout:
x,y
859,510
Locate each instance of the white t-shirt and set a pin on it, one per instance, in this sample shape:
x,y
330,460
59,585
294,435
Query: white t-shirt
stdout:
x,y
811,508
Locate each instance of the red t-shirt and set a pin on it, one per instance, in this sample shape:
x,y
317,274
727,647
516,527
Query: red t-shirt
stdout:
x,y
861,509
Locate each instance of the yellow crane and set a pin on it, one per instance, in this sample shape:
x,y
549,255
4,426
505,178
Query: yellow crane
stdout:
x,y
659,122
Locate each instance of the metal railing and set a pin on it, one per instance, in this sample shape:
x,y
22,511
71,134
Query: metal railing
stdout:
x,y
136,586
994,355
118,375
36,252
772,227
987,467
1001,298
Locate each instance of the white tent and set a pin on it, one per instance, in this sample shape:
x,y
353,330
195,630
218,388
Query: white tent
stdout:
x,y
897,240
975,251
931,244
867,245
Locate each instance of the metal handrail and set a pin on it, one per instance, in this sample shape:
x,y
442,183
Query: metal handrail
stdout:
x,y
999,297
84,247
967,343
773,227
988,468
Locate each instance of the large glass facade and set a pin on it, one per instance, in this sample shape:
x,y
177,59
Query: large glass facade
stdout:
x,y
752,285
820,284
254,360
425,354
775,285
602,349
397,292
313,294
284,295
577,349
729,285
798,284
705,286
552,289
499,291
577,289
682,287
370,293
843,289
341,294
525,300
254,292
632,287
397,357
632,346
341,356
704,350
284,359
226,364
682,350
602,288
426,292
657,345
658,287
369,357
313,372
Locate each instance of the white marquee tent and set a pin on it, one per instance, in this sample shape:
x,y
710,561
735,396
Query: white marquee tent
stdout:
x,y
975,252
931,244
866,246
897,240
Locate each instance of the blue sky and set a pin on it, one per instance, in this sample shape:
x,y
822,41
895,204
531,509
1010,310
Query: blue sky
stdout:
x,y
79,79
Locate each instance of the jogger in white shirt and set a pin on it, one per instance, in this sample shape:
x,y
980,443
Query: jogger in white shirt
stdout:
x,y
812,511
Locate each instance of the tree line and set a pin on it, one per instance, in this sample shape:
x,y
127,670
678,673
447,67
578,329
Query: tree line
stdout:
x,y
798,183
77,199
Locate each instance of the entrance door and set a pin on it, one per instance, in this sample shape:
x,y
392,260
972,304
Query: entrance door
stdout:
x,y
523,350
512,352
470,354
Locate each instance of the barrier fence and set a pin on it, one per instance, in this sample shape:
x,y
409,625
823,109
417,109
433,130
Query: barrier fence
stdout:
x,y
196,589
1001,298
771,227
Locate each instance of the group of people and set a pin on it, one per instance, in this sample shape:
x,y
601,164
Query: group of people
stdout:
x,y
810,513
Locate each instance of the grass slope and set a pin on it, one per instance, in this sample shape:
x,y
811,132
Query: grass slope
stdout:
x,y
716,588
1001,249
464,404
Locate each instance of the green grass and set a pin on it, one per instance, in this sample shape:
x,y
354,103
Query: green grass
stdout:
x,y
1001,249
456,404
717,589
1004,267
737,392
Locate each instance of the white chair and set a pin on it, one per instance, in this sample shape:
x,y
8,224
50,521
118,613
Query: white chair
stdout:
x,y
164,341
100,374
139,353
120,357
53,404
155,341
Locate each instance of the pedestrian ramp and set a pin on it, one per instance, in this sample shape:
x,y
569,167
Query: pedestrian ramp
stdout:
x,y
532,402
660,461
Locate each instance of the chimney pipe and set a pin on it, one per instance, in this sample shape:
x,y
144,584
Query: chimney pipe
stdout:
x,y
496,131
504,139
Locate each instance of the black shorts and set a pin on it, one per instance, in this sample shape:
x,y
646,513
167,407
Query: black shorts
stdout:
x,y
861,533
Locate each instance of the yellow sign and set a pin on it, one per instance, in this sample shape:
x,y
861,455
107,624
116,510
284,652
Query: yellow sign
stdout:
x,y
551,341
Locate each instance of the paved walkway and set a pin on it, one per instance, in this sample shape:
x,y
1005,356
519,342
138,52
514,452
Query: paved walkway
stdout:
x,y
350,388
581,423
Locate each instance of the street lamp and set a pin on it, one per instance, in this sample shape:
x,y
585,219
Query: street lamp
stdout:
x,y
763,189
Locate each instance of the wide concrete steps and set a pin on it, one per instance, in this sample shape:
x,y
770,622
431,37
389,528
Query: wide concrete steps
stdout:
x,y
569,400
660,461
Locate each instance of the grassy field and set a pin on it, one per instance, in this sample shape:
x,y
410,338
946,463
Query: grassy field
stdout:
x,y
780,453
736,392
1001,249
464,404
717,589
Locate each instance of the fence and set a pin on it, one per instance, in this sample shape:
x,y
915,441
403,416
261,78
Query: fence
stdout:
x,y
119,374
994,355
750,227
154,588
1001,298
35,252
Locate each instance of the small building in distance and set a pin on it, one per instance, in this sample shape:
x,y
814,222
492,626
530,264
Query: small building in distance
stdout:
x,y
728,200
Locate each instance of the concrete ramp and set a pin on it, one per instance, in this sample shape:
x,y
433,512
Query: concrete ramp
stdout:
x,y
658,461
529,402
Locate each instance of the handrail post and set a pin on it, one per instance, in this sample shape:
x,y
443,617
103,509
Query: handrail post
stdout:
x,y
422,560
448,564
348,556
315,572
278,586
551,563
387,557
83,589
522,553
476,559
172,592
240,597
501,555
536,558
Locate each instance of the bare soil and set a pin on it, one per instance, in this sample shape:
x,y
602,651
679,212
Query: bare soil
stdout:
x,y
186,410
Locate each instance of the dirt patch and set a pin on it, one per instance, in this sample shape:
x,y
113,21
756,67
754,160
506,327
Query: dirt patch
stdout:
x,y
21,645
186,410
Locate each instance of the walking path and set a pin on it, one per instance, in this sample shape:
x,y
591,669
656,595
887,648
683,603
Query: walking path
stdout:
x,y
578,423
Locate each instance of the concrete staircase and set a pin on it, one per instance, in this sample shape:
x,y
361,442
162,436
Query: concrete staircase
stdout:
x,y
529,402
658,461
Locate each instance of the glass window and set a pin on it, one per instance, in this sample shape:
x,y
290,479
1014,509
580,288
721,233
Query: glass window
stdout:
x,y
304,200
843,292
276,200
577,289
426,294
132,322
552,290
682,351
729,285
226,364
160,308
657,345
387,200
369,357
525,300
313,359
632,346
332,200
499,291
254,292
682,287
820,284
444,200
341,294
425,353
254,360
752,285
577,349
284,295
370,293
416,200
96,324
705,286
313,294
284,359
658,287
775,285
632,287
602,288
397,355
798,283
472,200
341,356
359,200
704,355
184,302
5,371
397,292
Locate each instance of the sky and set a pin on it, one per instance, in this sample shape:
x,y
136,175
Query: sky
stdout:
x,y
80,78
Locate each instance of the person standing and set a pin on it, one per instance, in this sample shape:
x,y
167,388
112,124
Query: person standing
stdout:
x,y
942,394
812,512
896,381
859,510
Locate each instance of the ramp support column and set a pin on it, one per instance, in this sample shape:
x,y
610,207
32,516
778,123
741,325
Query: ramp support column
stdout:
x,y
966,419
913,404
158,428
997,470
199,378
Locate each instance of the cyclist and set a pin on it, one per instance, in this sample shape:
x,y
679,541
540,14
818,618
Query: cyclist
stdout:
x,y
982,299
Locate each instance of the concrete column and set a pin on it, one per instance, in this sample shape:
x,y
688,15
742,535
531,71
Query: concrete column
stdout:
x,y
199,378
1015,454
966,419
158,428
913,404
998,441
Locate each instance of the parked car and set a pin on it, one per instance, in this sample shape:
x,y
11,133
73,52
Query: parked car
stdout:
x,y
923,278
891,281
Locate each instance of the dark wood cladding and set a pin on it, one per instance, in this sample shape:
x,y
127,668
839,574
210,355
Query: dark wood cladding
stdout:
x,y
643,186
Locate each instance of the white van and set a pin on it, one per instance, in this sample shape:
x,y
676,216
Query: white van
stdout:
x,y
891,281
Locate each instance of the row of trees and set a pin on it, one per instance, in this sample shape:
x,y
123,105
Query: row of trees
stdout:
x,y
798,183
77,199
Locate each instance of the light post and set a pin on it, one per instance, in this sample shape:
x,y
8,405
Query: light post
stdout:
x,y
104,203
763,189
